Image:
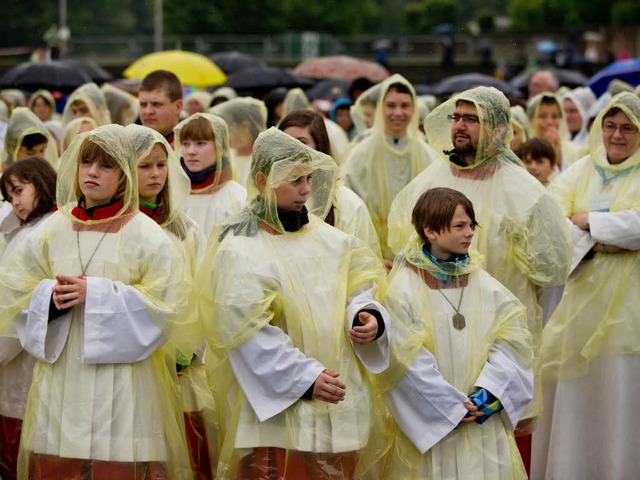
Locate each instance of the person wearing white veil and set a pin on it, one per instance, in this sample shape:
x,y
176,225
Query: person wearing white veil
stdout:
x,y
576,105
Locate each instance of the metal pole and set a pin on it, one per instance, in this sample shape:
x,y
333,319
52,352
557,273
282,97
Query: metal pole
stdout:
x,y
158,40
63,35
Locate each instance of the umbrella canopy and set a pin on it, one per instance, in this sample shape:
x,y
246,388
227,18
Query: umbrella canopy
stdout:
x,y
465,81
331,89
95,72
342,67
266,78
627,70
55,75
191,68
234,60
568,78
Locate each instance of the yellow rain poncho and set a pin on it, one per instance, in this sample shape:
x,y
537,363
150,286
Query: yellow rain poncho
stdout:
x,y
583,98
522,235
123,107
47,96
246,118
434,367
378,167
295,99
94,99
209,205
24,122
75,127
277,305
591,346
570,152
103,390
363,111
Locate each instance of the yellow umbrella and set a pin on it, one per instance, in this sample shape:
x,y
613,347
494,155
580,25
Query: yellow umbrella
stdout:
x,y
191,68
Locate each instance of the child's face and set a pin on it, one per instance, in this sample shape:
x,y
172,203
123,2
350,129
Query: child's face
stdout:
x,y
22,197
456,241
98,183
548,117
79,109
199,154
152,174
35,151
541,168
293,195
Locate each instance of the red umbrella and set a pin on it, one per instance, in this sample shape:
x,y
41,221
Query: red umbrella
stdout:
x,y
342,67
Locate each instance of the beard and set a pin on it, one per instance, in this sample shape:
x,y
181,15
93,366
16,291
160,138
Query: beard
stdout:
x,y
464,145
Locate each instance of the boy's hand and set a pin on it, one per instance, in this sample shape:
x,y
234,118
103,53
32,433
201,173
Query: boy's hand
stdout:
x,y
472,412
328,388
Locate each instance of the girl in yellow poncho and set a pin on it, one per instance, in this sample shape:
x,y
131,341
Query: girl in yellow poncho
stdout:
x,y
280,291
591,346
459,335
96,305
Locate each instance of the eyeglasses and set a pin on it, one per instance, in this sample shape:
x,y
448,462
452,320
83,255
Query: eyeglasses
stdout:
x,y
466,119
625,129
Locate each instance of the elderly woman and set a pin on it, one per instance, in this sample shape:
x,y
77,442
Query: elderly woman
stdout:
x,y
591,345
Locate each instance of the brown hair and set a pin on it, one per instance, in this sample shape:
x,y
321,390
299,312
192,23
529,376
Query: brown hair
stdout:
x,y
537,148
94,153
400,88
435,209
611,112
40,174
197,129
163,80
306,118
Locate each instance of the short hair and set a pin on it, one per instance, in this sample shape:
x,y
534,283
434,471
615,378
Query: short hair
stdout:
x,y
537,148
306,118
435,209
197,129
33,139
611,112
163,80
550,100
96,154
40,174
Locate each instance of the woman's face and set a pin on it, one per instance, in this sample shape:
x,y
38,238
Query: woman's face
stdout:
x,y
152,174
199,154
547,118
620,137
42,109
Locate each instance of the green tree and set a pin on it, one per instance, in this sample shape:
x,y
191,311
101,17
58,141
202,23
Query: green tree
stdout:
x,y
625,13
114,17
484,17
526,15
25,22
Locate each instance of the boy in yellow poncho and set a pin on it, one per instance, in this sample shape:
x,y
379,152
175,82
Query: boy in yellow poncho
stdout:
x,y
461,352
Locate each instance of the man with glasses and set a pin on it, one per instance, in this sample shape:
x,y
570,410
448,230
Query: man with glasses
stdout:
x,y
522,234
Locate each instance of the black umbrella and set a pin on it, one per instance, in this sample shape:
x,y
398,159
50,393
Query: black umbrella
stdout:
x,y
465,81
95,72
267,78
234,60
51,75
568,78
332,89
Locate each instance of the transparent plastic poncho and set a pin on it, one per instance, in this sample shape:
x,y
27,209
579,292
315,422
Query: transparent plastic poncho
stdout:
x,y
48,97
583,98
92,96
377,171
202,98
295,99
255,274
598,313
520,119
91,403
24,122
72,129
239,110
123,107
570,152
221,135
522,234
363,110
422,319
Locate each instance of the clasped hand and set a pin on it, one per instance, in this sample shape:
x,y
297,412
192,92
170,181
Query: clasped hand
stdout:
x,y
69,291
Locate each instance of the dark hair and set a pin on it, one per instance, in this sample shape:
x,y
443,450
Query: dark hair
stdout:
x,y
435,209
549,100
94,153
400,88
611,112
33,139
40,174
306,118
537,148
163,80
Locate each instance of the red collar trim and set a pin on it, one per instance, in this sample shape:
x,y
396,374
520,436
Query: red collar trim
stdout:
x,y
101,212
154,214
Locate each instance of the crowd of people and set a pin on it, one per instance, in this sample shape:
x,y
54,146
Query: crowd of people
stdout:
x,y
216,286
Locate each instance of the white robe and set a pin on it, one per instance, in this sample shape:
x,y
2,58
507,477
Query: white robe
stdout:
x,y
210,208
